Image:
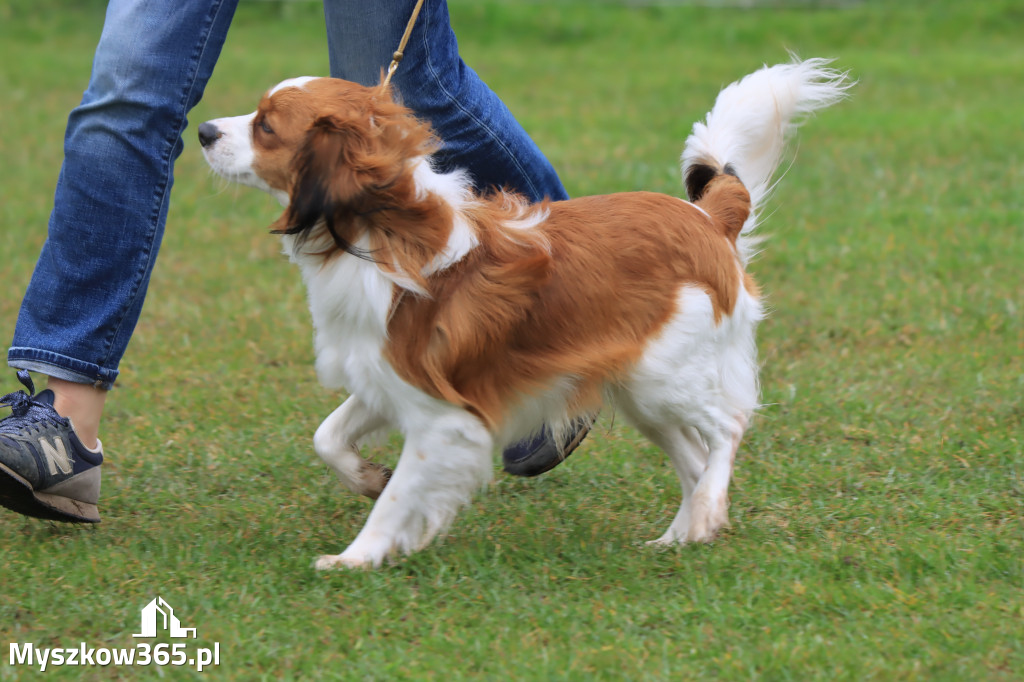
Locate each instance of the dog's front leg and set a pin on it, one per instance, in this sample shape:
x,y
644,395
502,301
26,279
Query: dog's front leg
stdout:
x,y
335,442
445,460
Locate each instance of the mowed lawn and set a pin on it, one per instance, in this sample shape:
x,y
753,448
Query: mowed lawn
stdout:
x,y
877,504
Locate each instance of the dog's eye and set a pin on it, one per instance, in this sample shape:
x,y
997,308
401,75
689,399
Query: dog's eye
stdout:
x,y
265,127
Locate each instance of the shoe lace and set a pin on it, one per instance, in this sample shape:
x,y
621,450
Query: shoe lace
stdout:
x,y
22,402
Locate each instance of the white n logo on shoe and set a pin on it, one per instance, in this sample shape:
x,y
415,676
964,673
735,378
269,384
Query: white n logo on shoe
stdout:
x,y
56,455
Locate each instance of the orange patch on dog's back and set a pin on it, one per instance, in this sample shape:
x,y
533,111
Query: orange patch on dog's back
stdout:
x,y
578,296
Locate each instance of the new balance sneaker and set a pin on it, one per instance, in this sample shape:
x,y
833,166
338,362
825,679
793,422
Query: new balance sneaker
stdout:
x,y
537,455
45,471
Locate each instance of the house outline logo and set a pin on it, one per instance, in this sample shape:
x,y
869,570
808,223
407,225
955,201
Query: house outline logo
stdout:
x,y
158,614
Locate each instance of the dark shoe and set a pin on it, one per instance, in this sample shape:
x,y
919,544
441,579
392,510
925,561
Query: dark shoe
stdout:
x,y
45,471
541,453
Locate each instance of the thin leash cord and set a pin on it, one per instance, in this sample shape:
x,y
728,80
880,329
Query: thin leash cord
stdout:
x,y
400,52
395,59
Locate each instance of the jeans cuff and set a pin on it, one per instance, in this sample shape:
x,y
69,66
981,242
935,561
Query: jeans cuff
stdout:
x,y
61,367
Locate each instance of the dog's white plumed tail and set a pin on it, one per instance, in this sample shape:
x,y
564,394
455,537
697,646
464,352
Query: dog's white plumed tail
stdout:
x,y
752,118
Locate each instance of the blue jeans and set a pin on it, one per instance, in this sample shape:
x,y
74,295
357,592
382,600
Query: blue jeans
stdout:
x,y
151,67
478,131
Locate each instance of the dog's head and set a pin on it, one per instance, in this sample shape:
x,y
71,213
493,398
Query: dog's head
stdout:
x,y
335,153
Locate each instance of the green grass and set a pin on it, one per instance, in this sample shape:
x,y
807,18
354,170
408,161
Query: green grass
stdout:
x,y
877,507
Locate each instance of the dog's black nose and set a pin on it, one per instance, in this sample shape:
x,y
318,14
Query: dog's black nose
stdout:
x,y
208,134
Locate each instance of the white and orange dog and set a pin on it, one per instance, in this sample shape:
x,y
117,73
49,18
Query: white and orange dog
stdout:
x,y
469,321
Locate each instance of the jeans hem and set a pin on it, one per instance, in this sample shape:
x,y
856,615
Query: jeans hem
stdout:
x,y
61,367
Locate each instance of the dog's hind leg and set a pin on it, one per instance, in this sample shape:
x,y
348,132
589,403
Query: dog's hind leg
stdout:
x,y
702,457
692,393
709,504
689,457
443,463
335,441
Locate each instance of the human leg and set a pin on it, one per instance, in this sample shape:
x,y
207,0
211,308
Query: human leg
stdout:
x,y
479,133
151,66
84,404
110,206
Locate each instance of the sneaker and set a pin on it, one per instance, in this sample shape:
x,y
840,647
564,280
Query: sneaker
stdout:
x,y
45,471
537,455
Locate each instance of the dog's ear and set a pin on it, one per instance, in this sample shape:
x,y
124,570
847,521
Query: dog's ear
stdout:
x,y
341,170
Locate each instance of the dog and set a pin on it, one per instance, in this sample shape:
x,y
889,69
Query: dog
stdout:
x,y
469,320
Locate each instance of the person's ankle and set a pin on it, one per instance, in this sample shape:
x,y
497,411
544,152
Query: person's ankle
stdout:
x,y
83,405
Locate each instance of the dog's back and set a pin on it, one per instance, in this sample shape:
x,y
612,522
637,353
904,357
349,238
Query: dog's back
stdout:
x,y
579,305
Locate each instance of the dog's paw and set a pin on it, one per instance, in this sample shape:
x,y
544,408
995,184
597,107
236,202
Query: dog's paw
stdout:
x,y
374,478
338,562
667,540
709,517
